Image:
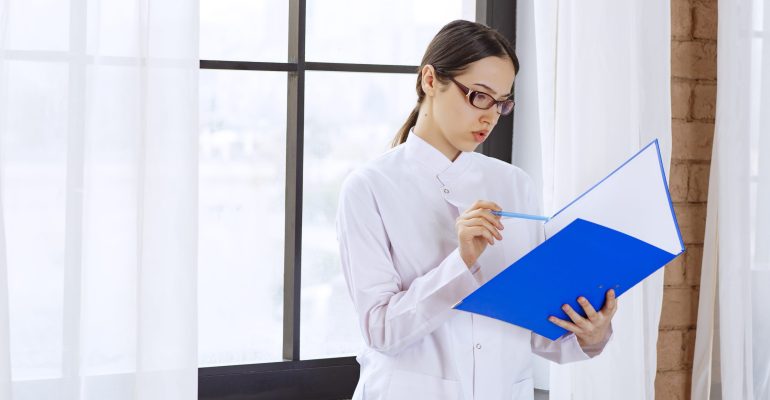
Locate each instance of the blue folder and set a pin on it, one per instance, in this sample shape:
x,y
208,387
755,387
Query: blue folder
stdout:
x,y
583,256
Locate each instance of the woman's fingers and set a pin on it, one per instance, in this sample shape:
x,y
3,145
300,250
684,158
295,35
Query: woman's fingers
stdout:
x,y
477,228
483,204
482,208
595,327
474,227
468,230
575,317
482,231
565,324
485,214
486,224
611,303
472,232
588,308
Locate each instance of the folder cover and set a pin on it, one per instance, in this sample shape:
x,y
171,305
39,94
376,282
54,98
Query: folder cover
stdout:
x,y
613,236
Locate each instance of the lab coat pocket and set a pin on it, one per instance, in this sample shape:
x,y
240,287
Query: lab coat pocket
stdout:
x,y
411,385
523,390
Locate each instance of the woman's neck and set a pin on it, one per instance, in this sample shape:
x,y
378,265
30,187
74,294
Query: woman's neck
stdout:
x,y
428,130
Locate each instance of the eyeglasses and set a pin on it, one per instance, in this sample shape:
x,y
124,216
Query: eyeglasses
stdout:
x,y
482,100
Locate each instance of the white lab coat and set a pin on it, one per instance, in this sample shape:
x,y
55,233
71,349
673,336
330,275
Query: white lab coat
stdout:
x,y
398,245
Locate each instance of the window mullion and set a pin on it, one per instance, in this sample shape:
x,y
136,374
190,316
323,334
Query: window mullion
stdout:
x,y
295,114
501,16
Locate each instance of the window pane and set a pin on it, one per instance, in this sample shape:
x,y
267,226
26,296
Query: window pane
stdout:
x,y
343,129
382,32
110,264
241,216
112,29
244,30
35,24
33,146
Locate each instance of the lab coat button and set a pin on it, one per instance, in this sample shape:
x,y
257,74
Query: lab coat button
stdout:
x,y
478,346
446,190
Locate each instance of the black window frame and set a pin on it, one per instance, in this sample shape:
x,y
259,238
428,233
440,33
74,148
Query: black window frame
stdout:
x,y
329,378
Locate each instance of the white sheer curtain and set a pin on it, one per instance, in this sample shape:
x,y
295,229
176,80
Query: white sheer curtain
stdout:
x,y
595,87
98,189
732,351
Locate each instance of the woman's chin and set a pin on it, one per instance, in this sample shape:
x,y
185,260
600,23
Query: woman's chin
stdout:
x,y
470,146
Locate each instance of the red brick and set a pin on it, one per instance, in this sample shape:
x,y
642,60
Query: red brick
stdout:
x,y
681,92
692,221
673,273
704,19
704,102
678,181
689,347
672,385
681,19
692,140
671,350
694,59
698,182
695,302
693,264
677,308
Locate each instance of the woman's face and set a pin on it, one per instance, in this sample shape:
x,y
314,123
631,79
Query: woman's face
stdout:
x,y
462,125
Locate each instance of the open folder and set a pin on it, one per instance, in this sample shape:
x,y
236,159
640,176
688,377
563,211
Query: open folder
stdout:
x,y
611,237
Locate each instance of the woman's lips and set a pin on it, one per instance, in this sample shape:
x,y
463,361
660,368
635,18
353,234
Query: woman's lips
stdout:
x,y
479,136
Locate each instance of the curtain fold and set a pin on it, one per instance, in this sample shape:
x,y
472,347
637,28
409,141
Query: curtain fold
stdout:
x,y
733,306
5,355
98,199
595,87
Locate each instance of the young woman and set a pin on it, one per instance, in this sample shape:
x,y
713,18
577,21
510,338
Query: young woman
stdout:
x,y
414,226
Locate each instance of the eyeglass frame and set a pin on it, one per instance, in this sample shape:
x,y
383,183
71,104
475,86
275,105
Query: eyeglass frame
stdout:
x,y
470,93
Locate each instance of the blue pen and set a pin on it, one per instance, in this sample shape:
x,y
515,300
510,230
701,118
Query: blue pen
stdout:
x,y
518,215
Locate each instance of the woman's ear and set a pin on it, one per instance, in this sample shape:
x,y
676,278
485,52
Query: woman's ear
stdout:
x,y
428,81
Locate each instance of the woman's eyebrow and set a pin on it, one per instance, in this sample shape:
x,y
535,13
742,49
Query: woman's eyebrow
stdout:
x,y
490,89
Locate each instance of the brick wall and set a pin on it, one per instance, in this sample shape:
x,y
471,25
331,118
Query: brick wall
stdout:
x,y
693,98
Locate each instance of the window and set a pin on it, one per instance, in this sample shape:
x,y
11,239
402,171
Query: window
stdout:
x,y
293,96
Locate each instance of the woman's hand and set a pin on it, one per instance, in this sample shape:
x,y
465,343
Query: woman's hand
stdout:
x,y
476,228
595,328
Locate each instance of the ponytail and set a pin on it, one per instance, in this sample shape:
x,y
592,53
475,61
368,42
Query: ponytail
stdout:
x,y
404,131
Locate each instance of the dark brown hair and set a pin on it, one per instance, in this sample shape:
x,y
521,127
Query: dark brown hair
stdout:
x,y
456,45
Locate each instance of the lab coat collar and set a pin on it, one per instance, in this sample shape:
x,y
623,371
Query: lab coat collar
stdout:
x,y
436,163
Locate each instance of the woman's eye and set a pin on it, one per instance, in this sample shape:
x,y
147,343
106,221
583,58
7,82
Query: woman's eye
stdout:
x,y
482,98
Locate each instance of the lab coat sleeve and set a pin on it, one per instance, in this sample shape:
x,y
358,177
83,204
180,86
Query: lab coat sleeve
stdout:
x,y
566,349
391,316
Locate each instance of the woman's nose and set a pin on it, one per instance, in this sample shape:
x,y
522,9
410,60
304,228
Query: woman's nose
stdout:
x,y
490,117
